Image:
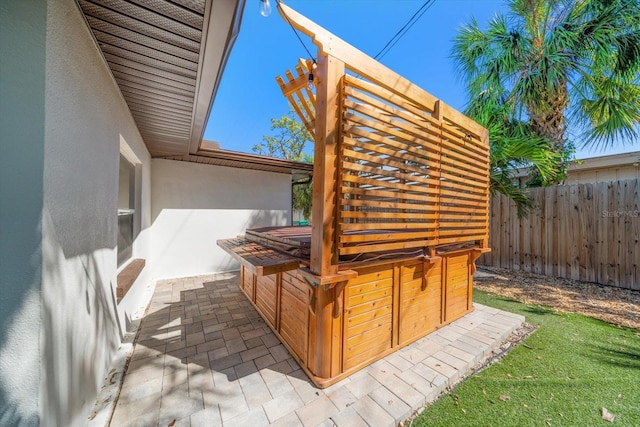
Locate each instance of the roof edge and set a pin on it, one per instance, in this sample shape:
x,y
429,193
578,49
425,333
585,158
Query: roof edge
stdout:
x,y
213,61
244,161
254,158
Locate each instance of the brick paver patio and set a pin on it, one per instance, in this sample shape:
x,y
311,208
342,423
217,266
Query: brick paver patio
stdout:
x,y
204,357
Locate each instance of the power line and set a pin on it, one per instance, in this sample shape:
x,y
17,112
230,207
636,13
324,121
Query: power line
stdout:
x,y
405,28
298,35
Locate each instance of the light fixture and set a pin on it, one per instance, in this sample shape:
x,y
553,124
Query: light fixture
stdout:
x,y
310,79
265,8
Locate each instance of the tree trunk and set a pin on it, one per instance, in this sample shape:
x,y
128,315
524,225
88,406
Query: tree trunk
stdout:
x,y
547,117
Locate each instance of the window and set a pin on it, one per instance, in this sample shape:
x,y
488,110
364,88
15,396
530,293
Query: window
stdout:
x,y
126,210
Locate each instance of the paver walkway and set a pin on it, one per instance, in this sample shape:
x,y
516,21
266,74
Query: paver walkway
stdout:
x,y
205,357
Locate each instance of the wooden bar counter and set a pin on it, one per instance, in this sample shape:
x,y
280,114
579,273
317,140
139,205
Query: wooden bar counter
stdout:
x,y
400,213
335,326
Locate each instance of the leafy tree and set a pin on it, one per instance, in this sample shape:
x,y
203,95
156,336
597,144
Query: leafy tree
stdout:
x,y
515,145
289,142
303,193
548,62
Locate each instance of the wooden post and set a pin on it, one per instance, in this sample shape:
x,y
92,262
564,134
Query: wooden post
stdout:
x,y
324,313
324,258
484,243
437,114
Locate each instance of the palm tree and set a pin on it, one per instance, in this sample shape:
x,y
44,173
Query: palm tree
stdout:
x,y
553,60
547,63
515,145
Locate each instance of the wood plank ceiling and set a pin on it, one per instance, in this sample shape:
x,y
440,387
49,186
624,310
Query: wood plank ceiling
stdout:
x,y
167,58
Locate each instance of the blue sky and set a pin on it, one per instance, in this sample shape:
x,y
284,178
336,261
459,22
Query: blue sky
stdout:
x,y
249,96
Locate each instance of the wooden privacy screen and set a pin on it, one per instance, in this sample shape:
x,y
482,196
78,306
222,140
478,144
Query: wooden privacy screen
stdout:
x,y
407,178
396,170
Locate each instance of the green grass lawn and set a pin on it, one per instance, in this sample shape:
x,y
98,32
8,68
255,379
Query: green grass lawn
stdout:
x,y
562,375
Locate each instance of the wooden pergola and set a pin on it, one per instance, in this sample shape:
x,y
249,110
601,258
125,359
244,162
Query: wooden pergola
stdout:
x,y
400,214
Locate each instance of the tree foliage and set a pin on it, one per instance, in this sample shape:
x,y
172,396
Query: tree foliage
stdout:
x,y
288,142
289,139
553,60
514,145
545,64
303,193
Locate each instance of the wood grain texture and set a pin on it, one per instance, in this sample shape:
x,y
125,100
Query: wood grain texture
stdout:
x,y
324,258
336,331
457,285
294,313
368,315
266,297
420,301
398,174
406,168
587,232
260,260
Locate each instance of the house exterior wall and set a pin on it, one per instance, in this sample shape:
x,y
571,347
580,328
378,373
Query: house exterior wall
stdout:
x,y
193,205
22,85
87,125
66,124
604,174
614,167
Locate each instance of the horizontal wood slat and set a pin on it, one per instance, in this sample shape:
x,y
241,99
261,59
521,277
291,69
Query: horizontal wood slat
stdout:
x,y
294,313
409,177
368,315
258,259
297,91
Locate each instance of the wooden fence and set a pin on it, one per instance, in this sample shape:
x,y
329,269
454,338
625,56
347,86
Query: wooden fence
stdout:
x,y
587,232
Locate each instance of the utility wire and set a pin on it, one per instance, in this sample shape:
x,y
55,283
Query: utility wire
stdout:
x,y
405,28
297,35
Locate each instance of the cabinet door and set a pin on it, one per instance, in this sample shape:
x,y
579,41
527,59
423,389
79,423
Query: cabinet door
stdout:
x,y
458,286
420,301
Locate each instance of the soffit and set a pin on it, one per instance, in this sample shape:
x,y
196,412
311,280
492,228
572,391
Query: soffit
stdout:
x,y
167,58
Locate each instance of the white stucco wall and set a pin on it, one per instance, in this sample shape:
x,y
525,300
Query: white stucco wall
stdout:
x,y
22,83
86,123
604,174
193,205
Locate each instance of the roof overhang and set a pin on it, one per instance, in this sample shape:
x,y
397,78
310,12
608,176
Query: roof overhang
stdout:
x,y
631,158
167,58
299,170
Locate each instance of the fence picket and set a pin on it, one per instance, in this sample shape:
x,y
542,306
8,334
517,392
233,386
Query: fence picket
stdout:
x,y
588,232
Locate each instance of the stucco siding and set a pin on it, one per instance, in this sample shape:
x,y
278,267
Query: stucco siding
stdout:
x,y
86,122
193,205
604,174
22,85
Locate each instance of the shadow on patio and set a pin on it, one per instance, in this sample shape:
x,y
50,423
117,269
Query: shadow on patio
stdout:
x,y
204,356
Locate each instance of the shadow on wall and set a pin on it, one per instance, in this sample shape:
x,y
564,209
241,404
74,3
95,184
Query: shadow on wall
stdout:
x,y
20,307
184,240
261,218
20,355
80,328
229,264
256,219
264,218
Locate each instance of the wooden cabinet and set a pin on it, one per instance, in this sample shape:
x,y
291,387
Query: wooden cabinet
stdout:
x,y
385,307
